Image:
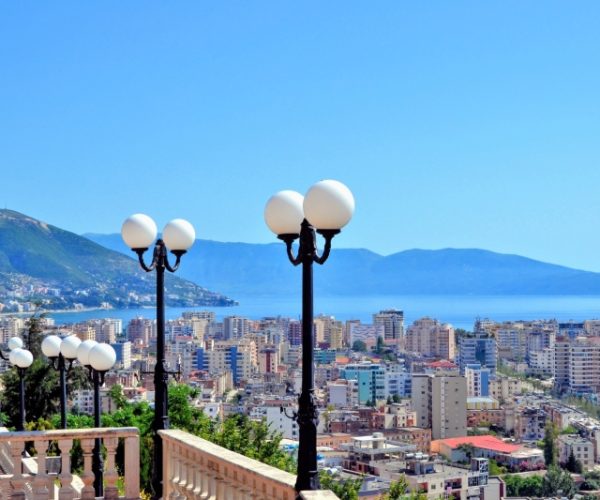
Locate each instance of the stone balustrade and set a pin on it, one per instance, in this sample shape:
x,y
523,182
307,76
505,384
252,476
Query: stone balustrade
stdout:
x,y
196,468
23,477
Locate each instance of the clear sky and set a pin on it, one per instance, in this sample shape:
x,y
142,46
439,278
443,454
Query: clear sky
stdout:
x,y
455,124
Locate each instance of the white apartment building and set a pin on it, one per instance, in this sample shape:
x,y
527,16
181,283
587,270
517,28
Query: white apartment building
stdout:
x,y
577,365
431,338
582,449
235,327
542,362
277,420
440,401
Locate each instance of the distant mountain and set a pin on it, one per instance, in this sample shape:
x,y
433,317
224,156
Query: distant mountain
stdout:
x,y
40,262
242,268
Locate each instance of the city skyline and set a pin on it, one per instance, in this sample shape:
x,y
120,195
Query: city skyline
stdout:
x,y
465,126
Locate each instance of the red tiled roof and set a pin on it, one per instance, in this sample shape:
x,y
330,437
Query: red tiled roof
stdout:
x,y
483,442
444,363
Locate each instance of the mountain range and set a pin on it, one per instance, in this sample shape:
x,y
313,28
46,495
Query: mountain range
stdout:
x,y
43,263
241,269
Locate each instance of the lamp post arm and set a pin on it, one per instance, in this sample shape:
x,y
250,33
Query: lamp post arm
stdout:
x,y
289,241
328,234
2,355
174,267
155,258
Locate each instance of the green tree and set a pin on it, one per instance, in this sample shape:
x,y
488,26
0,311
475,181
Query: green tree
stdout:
x,y
495,469
558,482
397,489
345,489
116,394
42,388
380,348
550,450
573,465
468,449
359,346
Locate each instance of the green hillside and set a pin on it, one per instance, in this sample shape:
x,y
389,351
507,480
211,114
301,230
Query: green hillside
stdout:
x,y
35,257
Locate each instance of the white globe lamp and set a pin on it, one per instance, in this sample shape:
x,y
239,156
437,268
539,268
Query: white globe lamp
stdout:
x,y
179,235
69,346
284,213
329,205
83,351
21,358
102,357
51,346
139,231
15,343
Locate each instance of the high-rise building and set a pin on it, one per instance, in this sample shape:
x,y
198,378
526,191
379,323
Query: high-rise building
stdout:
x,y
577,365
431,338
294,332
141,331
370,378
478,380
393,324
478,348
235,327
123,352
440,401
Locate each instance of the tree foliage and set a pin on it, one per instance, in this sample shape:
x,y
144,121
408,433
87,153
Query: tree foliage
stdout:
x,y
345,489
550,449
42,386
573,465
359,346
518,486
558,482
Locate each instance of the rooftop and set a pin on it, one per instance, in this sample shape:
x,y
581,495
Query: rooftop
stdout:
x,y
484,442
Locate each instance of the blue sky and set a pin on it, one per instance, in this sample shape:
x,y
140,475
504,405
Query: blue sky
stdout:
x,y
455,124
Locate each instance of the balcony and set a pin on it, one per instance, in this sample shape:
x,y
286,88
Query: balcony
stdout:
x,y
193,468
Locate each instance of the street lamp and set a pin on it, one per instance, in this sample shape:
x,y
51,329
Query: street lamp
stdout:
x,y
98,358
61,351
21,359
327,207
139,232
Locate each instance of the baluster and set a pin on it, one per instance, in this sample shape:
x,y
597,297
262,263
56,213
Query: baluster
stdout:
x,y
18,480
111,492
132,467
210,485
40,481
220,487
197,491
87,492
184,476
175,471
66,491
190,475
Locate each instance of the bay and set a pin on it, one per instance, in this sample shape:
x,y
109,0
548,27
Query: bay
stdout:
x,y
458,310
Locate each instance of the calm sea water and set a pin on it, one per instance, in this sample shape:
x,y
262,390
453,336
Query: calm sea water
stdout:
x,y
459,310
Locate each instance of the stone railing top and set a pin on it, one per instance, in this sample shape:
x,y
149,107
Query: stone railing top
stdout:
x,y
55,434
318,495
222,454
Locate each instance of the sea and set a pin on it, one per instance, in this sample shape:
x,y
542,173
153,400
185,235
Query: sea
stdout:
x,y
459,310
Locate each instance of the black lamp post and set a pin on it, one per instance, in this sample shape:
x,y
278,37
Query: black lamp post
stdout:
x,y
98,359
139,232
327,207
21,359
61,352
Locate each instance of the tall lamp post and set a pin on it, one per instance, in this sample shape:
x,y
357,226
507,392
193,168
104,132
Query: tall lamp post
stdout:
x,y
98,358
139,233
327,207
61,352
21,359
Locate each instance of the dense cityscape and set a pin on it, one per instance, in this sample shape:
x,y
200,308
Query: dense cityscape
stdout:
x,y
451,410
